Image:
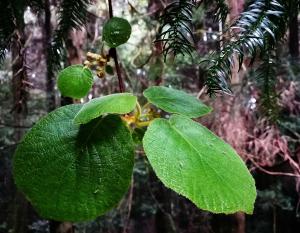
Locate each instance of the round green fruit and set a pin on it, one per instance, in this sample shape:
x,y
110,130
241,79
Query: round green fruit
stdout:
x,y
116,31
75,81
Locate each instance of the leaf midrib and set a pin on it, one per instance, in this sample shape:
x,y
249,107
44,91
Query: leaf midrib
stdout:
x,y
93,129
200,156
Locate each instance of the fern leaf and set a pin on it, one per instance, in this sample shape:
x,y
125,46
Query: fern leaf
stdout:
x,y
72,15
175,31
266,80
260,27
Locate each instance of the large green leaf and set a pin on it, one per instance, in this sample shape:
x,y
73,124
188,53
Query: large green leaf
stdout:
x,y
194,162
74,173
120,103
75,81
175,101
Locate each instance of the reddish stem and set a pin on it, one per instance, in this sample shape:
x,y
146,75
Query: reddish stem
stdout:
x,y
114,55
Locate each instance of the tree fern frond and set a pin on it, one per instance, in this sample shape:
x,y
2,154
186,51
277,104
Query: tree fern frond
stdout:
x,y
175,31
259,28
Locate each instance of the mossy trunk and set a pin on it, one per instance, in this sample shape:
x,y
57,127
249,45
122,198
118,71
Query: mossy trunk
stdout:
x,y
20,218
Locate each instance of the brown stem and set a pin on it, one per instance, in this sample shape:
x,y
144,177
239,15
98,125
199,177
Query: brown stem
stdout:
x,y
114,55
110,9
50,83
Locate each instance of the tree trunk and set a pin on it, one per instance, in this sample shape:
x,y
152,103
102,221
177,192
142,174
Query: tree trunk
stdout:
x,y
50,81
236,7
21,206
19,81
74,45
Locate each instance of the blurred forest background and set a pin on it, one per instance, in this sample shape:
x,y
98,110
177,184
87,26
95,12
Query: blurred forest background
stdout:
x,y
264,128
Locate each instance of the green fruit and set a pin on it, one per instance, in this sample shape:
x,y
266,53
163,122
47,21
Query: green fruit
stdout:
x,y
116,31
75,81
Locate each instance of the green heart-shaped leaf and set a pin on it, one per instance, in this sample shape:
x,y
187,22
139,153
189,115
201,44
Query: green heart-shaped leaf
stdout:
x,y
75,81
74,173
116,31
175,101
120,103
197,164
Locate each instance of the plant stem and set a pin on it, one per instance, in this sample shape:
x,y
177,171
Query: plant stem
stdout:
x,y
110,9
114,55
138,110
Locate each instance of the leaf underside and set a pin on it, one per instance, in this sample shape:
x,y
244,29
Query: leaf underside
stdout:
x,y
197,164
74,173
